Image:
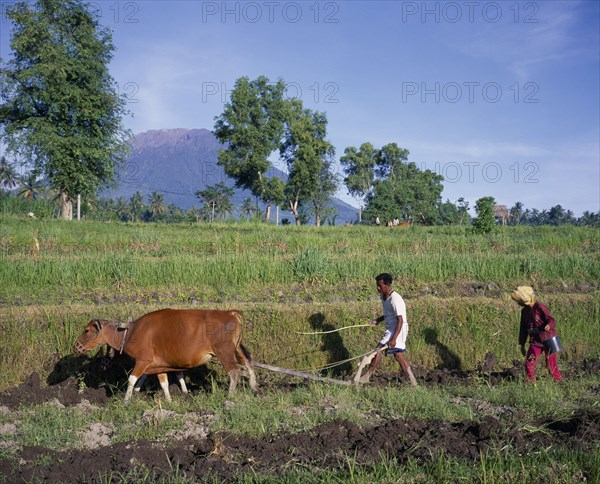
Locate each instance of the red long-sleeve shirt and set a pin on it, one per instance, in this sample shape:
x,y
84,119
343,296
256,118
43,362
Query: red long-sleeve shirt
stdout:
x,y
533,321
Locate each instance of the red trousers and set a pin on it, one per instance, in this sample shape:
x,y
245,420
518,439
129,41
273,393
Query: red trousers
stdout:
x,y
533,353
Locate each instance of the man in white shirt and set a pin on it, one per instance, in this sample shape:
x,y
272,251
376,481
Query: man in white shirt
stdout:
x,y
396,326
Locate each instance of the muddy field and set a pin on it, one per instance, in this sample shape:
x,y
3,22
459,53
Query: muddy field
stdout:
x,y
198,453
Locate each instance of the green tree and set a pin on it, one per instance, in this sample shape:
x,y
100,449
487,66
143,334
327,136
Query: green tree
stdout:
x,y
589,219
402,190
391,162
31,187
559,216
463,210
485,222
217,200
274,193
516,213
122,209
251,126
196,213
157,207
359,167
306,153
136,206
9,177
448,213
321,198
248,208
60,110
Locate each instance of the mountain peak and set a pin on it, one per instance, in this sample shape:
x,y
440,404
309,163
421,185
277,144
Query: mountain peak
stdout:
x,y
178,162
171,137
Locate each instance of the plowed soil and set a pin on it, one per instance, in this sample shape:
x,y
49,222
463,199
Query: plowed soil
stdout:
x,y
223,455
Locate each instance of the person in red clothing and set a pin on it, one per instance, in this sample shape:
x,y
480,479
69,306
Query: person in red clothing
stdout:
x,y
540,326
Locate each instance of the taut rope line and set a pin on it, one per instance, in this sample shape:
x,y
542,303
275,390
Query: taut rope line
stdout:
x,y
339,329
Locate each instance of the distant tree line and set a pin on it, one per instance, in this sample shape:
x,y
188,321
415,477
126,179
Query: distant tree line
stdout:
x,y
20,194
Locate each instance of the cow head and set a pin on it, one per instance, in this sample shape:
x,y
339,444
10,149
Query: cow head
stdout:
x,y
90,338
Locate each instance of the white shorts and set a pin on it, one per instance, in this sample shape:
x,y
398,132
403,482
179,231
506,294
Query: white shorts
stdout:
x,y
400,340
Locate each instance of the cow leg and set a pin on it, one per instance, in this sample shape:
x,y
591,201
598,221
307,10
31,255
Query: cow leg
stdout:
x,y
244,357
234,377
182,382
163,379
138,385
131,383
250,367
227,355
136,374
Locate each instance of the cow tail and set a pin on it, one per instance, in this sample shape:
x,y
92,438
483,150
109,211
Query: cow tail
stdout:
x,y
247,354
239,346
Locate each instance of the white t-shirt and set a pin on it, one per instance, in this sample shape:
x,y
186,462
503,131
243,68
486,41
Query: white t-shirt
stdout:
x,y
393,307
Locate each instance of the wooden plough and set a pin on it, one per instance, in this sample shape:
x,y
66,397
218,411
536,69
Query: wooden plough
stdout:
x,y
358,377
301,374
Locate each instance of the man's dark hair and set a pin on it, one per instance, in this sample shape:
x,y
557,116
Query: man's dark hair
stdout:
x,y
386,278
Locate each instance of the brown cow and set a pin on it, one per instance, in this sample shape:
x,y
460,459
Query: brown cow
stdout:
x,y
173,340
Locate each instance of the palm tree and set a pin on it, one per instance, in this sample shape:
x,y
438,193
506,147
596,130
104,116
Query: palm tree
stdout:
x,y
8,175
136,203
197,213
31,187
248,208
217,199
157,204
122,209
516,213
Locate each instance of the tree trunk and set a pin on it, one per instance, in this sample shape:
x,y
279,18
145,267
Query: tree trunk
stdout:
x,y
294,210
66,206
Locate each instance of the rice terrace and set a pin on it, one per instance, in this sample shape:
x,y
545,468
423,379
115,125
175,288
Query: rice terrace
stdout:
x,y
472,418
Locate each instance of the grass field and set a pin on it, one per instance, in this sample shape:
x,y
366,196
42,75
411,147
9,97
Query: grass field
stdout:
x,y
55,276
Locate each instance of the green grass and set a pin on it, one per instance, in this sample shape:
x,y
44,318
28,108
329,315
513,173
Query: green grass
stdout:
x,y
289,280
92,257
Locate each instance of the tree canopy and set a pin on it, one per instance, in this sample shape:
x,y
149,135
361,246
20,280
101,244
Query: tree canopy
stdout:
x,y
392,187
485,222
306,153
60,111
259,121
251,126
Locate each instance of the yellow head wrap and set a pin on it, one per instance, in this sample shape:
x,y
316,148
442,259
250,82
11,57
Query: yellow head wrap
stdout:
x,y
523,295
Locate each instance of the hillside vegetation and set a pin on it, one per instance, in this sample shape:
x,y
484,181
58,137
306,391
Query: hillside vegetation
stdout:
x,y
55,276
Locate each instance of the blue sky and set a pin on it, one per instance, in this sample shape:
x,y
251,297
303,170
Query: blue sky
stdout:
x,y
501,98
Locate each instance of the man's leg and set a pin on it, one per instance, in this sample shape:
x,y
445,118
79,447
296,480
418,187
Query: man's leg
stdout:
x,y
406,368
374,364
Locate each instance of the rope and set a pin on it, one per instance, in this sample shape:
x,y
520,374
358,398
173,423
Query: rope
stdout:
x,y
336,330
337,363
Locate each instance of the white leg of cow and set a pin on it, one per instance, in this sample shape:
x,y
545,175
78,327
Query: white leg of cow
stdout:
x,y
234,376
252,376
244,358
163,379
182,382
132,380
